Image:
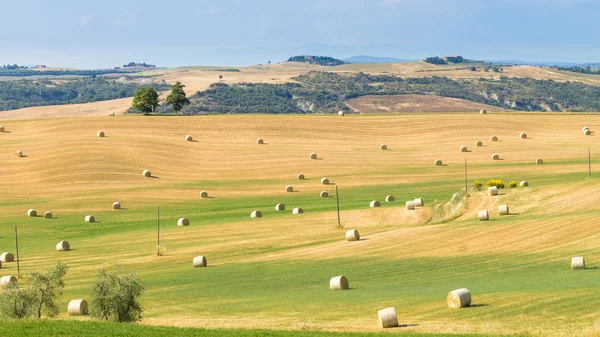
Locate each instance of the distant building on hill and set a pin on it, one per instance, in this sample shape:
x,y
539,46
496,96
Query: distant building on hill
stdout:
x,y
138,65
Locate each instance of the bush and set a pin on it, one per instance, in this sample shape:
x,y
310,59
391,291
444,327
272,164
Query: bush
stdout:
x,y
495,182
512,184
46,288
16,302
115,297
477,185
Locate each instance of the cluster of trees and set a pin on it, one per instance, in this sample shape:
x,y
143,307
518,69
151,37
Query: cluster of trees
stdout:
x,y
135,64
27,93
114,296
320,60
146,99
449,59
582,70
12,66
324,92
22,72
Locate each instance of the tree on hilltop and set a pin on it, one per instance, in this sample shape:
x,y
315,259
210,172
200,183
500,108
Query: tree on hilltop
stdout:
x,y
177,97
145,99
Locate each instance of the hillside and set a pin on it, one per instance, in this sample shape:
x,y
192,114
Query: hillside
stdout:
x,y
378,104
274,272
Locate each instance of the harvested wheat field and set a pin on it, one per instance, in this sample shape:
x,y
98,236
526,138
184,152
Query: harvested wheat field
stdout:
x,y
272,272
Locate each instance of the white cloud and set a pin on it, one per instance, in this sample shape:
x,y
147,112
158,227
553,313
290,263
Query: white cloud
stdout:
x,y
86,19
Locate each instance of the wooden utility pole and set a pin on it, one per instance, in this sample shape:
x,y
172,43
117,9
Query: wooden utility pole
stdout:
x,y
337,198
17,250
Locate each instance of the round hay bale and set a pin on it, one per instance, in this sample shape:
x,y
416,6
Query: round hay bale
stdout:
x,y
313,156
374,203
383,147
463,149
495,156
189,138
77,307
48,215
494,138
479,143
587,132
523,135
183,222
503,210
63,246
324,181
324,194
300,176
419,202
460,298
7,257
298,210
116,205
100,134
289,188
524,184
280,207
19,153
390,198
1,128
203,194
199,261
256,214
539,161
260,141
90,218
5,280
577,262
438,162
339,283
483,111
493,190
483,215
31,213
352,235
340,113
584,128
387,318
410,205
147,173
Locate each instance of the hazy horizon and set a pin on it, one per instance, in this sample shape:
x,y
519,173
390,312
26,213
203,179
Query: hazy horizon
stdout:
x,y
237,33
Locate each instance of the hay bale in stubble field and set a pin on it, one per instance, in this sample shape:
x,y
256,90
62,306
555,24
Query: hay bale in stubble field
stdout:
x,y
300,176
313,155
324,194
410,205
256,214
5,280
419,202
100,134
577,262
340,113
524,184
260,141
587,132
324,181
298,210
503,210
494,138
483,111
483,215
77,307
116,205
199,262
48,215
32,213
7,257
438,162
63,246
495,156
90,218
183,222
189,138
280,207
203,194
383,147
539,161
478,143
390,198
387,318
374,203
1,128
19,153
460,298
352,235
289,188
463,149
523,135
339,283
584,128
493,190
147,173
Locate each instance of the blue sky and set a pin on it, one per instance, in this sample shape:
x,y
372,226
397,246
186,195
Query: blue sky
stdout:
x,y
95,34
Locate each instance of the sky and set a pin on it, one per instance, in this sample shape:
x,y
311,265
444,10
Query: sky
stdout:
x,y
107,33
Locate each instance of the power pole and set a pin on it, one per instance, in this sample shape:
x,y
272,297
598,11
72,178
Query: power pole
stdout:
x,y
337,198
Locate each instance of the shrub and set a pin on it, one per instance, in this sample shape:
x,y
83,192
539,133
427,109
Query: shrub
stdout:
x,y
16,302
495,182
477,185
115,297
512,184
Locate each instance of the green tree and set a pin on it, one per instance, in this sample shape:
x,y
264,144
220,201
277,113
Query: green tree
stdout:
x,y
16,302
177,97
145,99
47,287
115,297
